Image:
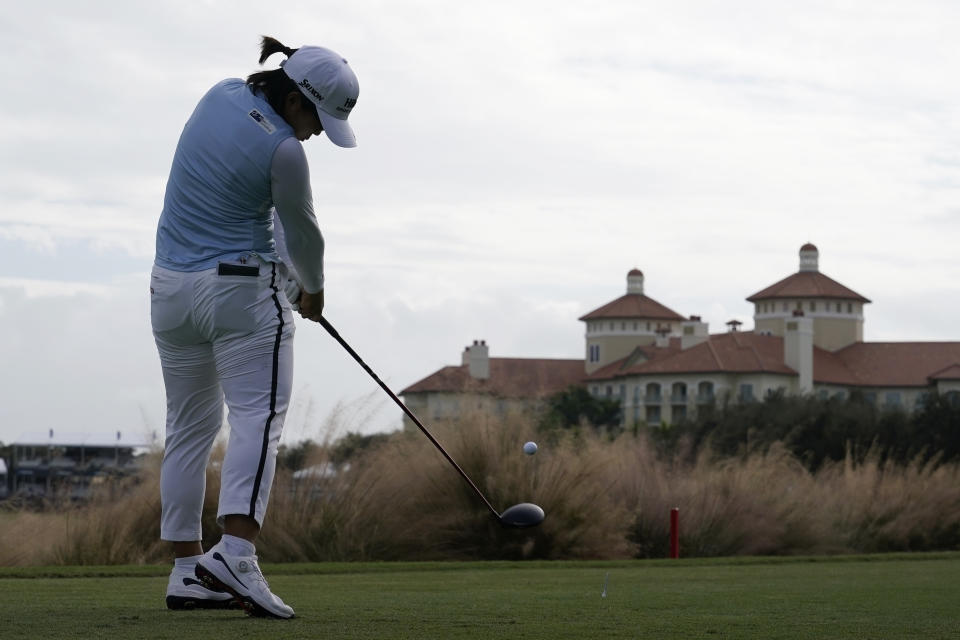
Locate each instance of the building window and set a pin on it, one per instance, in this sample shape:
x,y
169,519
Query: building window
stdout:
x,y
784,306
678,413
634,326
705,392
678,393
653,393
648,326
922,398
746,393
839,308
609,391
623,326
849,307
892,398
800,305
813,306
653,414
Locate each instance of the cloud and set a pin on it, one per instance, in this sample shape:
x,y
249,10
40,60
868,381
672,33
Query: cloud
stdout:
x,y
515,161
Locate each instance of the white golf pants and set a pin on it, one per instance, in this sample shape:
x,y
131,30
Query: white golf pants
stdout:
x,y
224,334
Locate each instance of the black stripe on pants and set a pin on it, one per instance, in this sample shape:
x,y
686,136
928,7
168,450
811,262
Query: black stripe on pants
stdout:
x,y
273,394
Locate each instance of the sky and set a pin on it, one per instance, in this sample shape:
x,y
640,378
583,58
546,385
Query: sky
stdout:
x,y
514,161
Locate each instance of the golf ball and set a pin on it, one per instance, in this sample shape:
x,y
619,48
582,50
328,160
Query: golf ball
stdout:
x,y
530,448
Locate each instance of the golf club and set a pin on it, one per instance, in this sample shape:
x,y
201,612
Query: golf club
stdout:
x,y
519,516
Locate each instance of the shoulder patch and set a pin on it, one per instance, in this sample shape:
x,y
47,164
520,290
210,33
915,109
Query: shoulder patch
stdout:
x,y
261,120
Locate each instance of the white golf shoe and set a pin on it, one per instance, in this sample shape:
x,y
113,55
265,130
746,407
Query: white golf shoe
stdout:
x,y
241,576
184,591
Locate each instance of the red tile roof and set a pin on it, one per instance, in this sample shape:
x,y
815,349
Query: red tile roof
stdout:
x,y
509,378
634,305
807,284
947,373
639,357
740,352
863,364
901,364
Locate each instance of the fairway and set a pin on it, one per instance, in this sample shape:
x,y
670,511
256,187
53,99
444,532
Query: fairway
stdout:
x,y
895,596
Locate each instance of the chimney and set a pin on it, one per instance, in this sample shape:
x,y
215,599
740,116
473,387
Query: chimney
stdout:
x,y
693,332
477,359
663,337
798,349
733,325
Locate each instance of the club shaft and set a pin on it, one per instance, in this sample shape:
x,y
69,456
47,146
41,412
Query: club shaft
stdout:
x,y
343,343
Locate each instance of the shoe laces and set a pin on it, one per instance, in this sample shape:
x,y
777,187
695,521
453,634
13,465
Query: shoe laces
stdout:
x,y
257,574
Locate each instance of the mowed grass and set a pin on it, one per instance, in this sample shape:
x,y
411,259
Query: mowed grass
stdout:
x,y
891,596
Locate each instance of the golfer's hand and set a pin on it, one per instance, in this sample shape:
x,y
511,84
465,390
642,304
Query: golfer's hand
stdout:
x,y
311,305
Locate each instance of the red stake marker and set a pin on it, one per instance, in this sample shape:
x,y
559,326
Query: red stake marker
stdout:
x,y
675,532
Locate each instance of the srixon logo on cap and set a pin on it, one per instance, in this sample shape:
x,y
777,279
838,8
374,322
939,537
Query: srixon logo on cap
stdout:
x,y
306,85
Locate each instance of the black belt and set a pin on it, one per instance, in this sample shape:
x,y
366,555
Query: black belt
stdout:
x,y
227,269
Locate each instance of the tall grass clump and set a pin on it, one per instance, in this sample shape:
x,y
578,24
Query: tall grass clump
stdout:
x,y
26,535
606,496
879,506
759,504
402,500
119,525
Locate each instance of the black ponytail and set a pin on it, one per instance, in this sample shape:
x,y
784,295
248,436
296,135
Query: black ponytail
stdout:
x,y
270,46
275,84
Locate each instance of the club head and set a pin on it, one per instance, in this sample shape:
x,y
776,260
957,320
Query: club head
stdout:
x,y
521,516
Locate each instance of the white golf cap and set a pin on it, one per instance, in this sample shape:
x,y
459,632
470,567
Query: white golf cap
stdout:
x,y
325,77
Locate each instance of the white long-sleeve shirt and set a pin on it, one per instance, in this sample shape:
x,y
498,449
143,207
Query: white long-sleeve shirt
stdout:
x,y
296,232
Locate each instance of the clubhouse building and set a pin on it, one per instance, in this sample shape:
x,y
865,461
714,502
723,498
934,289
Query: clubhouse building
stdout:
x,y
662,366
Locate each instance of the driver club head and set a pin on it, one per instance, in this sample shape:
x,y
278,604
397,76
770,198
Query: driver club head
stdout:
x,y
522,516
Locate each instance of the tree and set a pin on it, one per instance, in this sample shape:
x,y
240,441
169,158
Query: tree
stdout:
x,y
575,406
352,444
295,457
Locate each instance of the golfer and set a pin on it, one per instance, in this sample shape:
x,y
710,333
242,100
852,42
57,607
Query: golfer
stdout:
x,y
221,299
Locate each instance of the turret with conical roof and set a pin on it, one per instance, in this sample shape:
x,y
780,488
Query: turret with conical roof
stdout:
x,y
614,330
836,311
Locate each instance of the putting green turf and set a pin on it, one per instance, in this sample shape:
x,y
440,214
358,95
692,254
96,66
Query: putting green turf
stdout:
x,y
895,596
